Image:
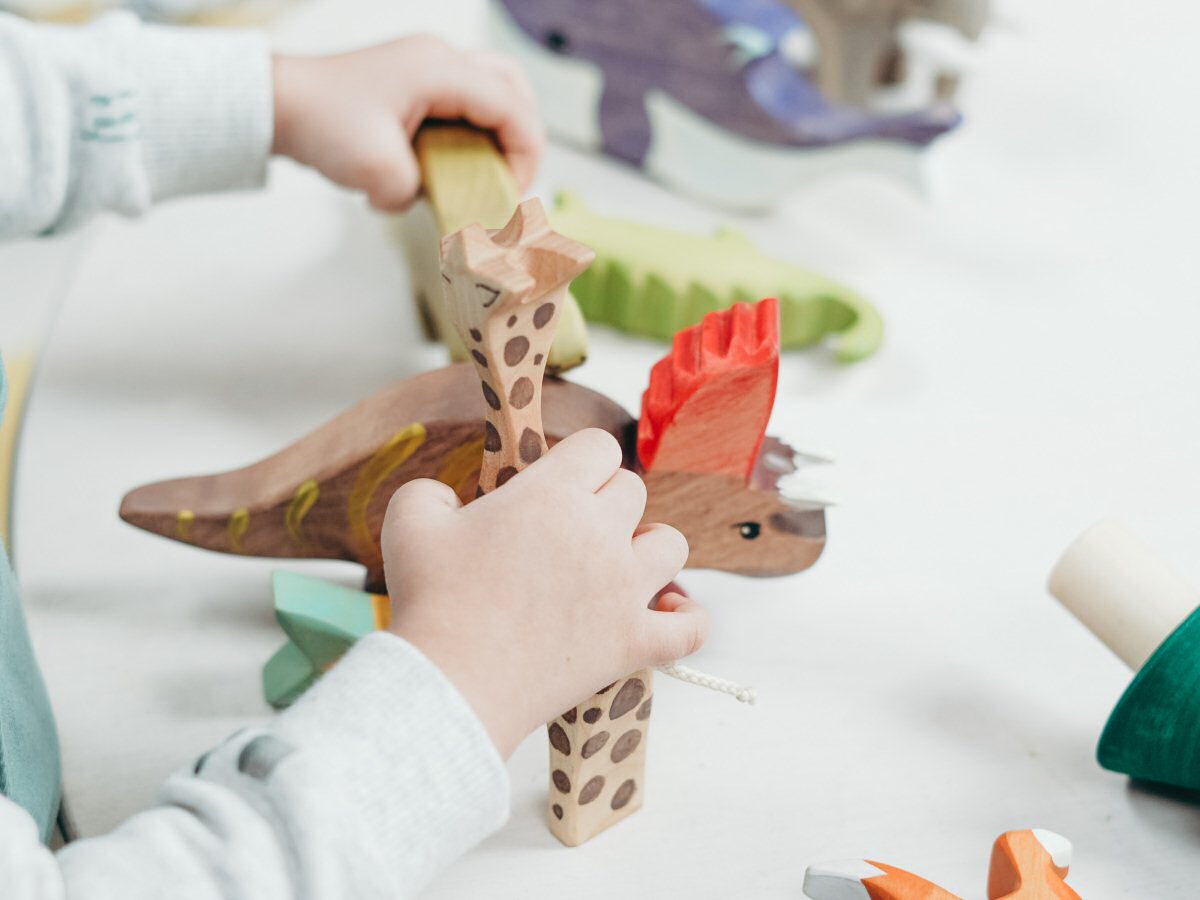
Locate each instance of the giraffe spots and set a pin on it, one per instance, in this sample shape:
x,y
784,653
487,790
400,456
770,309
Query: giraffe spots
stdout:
x,y
479,358
490,396
643,712
521,393
543,314
531,445
512,320
476,334
559,740
478,491
515,350
491,438
591,790
561,781
594,745
629,696
605,690
591,715
623,794
504,475
569,716
537,360
557,810
626,744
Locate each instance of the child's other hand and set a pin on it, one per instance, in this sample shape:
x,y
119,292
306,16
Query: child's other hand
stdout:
x,y
353,116
535,596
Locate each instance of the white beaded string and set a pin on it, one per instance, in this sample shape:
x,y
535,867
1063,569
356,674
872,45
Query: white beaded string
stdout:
x,y
739,692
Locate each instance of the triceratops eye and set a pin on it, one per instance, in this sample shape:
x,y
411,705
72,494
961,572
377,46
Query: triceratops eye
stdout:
x,y
748,530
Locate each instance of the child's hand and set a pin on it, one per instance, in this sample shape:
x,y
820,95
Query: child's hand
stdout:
x,y
536,596
353,116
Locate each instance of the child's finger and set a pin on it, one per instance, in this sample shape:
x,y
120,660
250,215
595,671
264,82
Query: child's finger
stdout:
x,y
661,552
625,493
390,175
423,497
678,628
523,159
586,459
473,92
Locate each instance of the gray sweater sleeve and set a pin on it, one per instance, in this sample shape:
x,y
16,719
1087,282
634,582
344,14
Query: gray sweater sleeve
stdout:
x,y
118,115
366,788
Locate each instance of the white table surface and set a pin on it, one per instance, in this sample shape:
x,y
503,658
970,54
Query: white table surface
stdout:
x,y
920,692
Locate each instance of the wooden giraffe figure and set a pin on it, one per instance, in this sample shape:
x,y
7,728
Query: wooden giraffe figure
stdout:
x,y
1026,865
504,290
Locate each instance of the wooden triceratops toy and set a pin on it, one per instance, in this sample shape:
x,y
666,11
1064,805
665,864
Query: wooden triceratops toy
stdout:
x,y
700,446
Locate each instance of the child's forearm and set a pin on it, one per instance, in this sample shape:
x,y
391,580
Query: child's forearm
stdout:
x,y
119,115
376,779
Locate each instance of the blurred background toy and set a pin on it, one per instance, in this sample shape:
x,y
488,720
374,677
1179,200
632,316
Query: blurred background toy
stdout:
x,y
737,101
1026,865
1149,616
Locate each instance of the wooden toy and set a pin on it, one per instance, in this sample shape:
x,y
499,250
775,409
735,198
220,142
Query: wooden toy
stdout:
x,y
1149,616
653,282
702,97
324,496
1025,865
861,43
466,181
504,291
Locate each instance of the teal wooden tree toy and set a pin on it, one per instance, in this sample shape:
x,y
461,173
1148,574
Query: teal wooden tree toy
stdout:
x,y
1149,616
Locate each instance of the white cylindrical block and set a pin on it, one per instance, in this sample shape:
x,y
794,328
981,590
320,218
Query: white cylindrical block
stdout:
x,y
1122,591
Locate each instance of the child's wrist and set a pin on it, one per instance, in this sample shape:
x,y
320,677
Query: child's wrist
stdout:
x,y
284,75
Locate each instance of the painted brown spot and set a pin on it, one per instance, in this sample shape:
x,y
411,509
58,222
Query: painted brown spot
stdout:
x,y
512,320
623,794
480,358
531,445
490,396
557,810
561,781
591,790
605,690
505,474
594,744
643,712
591,715
491,438
569,716
521,393
626,744
476,335
478,491
537,360
629,696
543,314
559,740
515,350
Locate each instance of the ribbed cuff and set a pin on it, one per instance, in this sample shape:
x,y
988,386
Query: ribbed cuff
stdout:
x,y
207,109
411,756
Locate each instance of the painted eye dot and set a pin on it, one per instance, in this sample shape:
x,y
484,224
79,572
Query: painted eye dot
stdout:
x,y
557,41
748,530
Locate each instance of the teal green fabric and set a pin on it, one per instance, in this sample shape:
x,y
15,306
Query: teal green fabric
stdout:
x,y
30,771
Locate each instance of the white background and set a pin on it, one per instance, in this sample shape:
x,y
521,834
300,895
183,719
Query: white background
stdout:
x,y
920,692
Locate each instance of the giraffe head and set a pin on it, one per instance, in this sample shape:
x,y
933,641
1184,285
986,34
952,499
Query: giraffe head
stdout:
x,y
710,469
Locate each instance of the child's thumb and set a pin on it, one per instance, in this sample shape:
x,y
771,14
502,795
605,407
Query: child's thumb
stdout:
x,y
391,177
678,628
422,498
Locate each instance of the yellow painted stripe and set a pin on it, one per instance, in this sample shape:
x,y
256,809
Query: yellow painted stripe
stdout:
x,y
461,466
183,524
306,497
383,611
20,373
386,460
238,523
